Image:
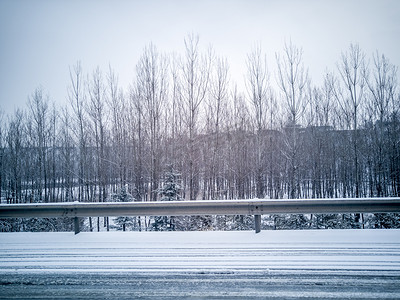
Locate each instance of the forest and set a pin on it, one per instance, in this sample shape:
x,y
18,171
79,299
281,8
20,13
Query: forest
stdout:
x,y
184,130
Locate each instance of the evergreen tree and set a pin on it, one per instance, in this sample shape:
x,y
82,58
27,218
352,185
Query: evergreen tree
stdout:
x,y
169,191
291,221
123,222
388,220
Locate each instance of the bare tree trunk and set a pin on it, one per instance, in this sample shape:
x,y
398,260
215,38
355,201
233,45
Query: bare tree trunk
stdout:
x,y
77,100
352,70
194,86
152,92
97,113
216,111
292,80
38,105
259,93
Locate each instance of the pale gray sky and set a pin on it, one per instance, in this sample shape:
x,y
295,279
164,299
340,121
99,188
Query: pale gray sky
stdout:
x,y
40,39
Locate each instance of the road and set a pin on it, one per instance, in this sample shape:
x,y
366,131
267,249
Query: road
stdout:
x,y
324,264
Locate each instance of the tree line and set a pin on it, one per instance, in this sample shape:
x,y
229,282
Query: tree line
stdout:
x,y
280,137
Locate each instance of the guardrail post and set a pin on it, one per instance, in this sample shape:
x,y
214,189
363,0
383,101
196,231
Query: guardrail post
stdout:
x,y
76,225
257,223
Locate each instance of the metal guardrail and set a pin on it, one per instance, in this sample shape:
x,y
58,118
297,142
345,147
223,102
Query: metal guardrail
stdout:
x,y
205,207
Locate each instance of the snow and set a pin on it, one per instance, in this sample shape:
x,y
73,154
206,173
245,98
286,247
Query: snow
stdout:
x,y
240,251
317,264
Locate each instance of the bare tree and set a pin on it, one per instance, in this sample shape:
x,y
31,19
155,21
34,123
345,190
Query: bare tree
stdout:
x,y
39,112
382,87
67,157
77,100
292,80
216,115
96,110
152,92
15,158
2,155
352,70
195,75
238,154
258,87
137,142
119,132
52,161
175,114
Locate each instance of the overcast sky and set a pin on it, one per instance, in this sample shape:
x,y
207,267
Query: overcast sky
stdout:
x,y
41,39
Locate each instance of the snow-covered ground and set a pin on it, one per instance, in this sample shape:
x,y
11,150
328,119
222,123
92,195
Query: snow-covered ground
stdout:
x,y
184,251
323,260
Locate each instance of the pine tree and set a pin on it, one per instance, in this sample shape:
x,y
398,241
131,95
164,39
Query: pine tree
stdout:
x,y
123,222
387,220
169,191
291,221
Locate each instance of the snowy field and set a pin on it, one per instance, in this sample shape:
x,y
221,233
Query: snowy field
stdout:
x,y
352,264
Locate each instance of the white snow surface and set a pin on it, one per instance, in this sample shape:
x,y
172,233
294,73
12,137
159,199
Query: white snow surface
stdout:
x,y
334,251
